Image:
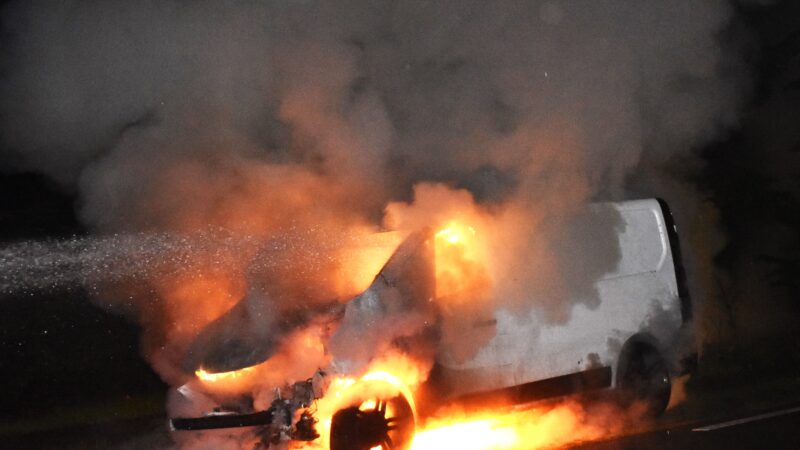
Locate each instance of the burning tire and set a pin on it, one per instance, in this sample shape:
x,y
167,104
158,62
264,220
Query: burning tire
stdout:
x,y
643,375
388,424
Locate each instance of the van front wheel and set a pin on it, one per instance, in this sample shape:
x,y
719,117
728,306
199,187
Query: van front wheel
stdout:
x,y
379,423
643,376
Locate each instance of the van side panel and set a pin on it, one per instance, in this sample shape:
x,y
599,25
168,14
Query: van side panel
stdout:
x,y
641,294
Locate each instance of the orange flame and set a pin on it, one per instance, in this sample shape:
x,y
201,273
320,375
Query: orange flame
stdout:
x,y
508,429
460,266
211,377
360,264
503,428
296,359
474,434
397,374
456,233
462,276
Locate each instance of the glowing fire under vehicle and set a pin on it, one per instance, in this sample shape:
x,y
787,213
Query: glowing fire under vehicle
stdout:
x,y
622,342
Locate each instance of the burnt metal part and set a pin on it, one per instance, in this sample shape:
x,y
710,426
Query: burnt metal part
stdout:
x,y
305,428
303,392
276,420
260,418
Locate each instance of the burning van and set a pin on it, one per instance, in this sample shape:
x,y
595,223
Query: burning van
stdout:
x,y
624,340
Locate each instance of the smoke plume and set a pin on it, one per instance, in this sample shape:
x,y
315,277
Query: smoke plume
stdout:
x,y
327,119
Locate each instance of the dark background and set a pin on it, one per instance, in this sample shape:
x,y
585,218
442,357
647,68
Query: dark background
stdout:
x,y
57,350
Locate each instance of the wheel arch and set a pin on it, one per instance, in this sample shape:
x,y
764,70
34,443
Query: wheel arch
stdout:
x,y
634,343
648,378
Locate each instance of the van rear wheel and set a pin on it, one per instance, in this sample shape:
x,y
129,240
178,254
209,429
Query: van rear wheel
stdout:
x,y
643,376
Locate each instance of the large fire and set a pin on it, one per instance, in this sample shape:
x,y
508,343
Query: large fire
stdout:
x,y
502,428
460,274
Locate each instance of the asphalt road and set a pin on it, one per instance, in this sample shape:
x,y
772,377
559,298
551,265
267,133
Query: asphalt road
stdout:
x,y
766,417
777,428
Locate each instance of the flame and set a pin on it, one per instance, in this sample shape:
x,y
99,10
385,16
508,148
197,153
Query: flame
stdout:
x,y
298,357
456,233
360,264
211,377
460,262
476,434
397,383
462,259
462,279
508,429
395,373
501,428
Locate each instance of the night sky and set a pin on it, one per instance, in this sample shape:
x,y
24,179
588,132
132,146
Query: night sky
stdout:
x,y
57,349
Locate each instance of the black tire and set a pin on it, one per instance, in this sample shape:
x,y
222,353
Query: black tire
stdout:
x,y
389,424
643,376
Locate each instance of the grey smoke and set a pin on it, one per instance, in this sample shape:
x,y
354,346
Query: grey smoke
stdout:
x,y
105,96
254,116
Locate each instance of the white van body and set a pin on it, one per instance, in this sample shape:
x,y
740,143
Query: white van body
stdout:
x,y
643,305
640,298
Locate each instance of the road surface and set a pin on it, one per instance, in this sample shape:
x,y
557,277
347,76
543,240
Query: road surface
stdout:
x,y
748,418
776,428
